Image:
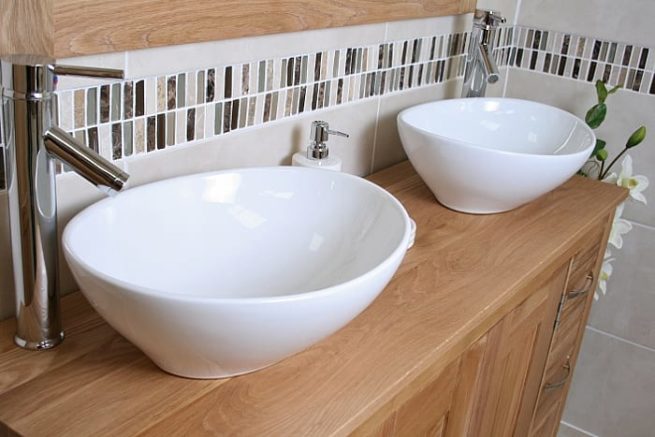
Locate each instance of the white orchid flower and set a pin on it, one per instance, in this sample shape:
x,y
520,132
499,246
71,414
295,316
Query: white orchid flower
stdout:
x,y
605,273
620,227
635,183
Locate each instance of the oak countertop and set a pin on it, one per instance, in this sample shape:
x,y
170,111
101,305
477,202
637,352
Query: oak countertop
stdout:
x,y
463,274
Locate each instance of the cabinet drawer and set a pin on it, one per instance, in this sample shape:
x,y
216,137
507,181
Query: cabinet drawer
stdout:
x,y
572,318
582,279
560,361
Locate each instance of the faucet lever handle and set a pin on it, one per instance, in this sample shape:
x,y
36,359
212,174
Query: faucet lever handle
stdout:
x,y
488,18
74,70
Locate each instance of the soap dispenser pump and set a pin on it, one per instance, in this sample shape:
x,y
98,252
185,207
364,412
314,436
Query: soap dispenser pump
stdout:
x,y
318,154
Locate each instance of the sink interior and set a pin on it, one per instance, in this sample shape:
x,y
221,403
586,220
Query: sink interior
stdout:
x,y
236,239
508,125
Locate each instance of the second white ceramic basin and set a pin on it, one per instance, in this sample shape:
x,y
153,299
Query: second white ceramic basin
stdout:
x,y
488,155
219,274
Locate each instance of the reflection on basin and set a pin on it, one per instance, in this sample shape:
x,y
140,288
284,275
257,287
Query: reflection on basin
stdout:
x,y
223,273
487,155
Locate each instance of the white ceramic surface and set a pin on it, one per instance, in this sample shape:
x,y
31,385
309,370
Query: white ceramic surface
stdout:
x,y
223,273
488,155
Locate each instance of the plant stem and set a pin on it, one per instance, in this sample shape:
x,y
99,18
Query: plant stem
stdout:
x,y
602,175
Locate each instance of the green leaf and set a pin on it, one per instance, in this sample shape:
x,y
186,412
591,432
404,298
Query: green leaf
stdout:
x,y
601,155
601,91
596,115
636,138
613,90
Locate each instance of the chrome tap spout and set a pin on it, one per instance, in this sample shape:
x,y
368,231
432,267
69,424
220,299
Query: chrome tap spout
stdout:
x,y
481,68
31,144
87,163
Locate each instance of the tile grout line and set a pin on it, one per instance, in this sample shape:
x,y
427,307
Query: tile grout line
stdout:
x,y
641,225
577,428
514,26
375,134
377,112
624,340
517,12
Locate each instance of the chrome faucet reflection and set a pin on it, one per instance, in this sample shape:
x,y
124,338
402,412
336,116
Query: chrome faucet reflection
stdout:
x,y
32,141
480,66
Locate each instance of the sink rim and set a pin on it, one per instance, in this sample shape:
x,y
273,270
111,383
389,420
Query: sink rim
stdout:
x,y
399,250
578,120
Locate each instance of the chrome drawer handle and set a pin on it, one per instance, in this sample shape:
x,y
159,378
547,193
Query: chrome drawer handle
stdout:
x,y
584,290
561,382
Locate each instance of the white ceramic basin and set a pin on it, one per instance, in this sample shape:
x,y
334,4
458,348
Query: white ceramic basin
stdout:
x,y
224,273
487,155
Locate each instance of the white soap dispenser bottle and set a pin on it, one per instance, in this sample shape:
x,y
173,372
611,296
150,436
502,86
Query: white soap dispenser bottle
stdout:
x,y
318,154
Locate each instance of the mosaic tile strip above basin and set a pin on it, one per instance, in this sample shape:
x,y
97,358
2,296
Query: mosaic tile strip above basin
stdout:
x,y
145,115
584,58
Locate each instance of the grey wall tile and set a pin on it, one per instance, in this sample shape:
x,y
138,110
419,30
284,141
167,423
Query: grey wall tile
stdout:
x,y
612,389
629,21
627,309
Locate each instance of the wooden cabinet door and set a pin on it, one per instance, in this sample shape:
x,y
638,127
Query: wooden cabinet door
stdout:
x,y
505,391
490,390
419,412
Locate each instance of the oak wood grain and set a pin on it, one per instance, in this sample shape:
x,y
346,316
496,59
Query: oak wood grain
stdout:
x,y
85,27
26,27
464,274
424,413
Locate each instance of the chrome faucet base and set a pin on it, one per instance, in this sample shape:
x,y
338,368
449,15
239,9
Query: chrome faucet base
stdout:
x,y
40,345
32,143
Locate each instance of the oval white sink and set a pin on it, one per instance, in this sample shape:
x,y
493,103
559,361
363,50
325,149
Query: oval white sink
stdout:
x,y
218,274
488,155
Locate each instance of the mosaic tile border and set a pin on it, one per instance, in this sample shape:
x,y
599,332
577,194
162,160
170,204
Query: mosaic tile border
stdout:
x,y
146,115
154,113
584,58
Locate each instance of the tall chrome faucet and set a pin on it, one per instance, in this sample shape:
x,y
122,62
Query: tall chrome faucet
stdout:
x,y
480,66
32,141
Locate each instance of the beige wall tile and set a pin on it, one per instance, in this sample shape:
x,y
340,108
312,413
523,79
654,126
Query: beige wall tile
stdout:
x,y
186,57
626,111
627,310
398,30
627,21
612,390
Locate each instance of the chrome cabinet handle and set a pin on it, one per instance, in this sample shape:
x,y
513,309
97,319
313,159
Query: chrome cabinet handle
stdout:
x,y
561,382
589,280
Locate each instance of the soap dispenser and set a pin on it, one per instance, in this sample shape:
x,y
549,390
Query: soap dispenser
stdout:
x,y
318,154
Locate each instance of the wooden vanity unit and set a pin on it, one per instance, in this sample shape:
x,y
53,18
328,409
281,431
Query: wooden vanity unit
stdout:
x,y
476,335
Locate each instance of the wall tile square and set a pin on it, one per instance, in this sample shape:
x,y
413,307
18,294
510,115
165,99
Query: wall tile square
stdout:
x,y
613,384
